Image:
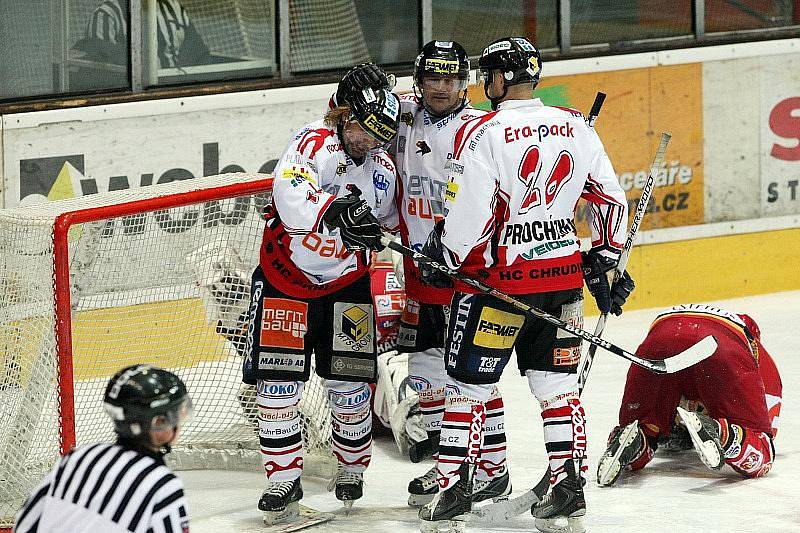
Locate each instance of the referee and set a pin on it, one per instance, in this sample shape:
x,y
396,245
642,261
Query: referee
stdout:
x,y
124,486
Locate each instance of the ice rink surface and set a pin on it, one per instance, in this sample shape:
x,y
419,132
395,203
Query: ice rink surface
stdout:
x,y
674,493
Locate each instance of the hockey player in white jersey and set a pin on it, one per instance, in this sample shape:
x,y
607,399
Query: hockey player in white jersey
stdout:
x,y
515,178
429,119
123,486
311,292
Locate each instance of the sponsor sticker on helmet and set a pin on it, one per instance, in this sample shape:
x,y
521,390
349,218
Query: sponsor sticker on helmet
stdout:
x,y
525,44
444,44
391,109
497,47
441,66
382,131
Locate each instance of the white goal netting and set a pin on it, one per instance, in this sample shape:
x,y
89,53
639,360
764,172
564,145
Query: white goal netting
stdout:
x,y
152,279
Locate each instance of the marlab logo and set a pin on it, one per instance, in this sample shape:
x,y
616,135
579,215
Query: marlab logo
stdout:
x,y
423,148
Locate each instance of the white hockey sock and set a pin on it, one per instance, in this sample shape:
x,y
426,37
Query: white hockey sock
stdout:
x,y
462,429
279,428
563,418
493,453
351,423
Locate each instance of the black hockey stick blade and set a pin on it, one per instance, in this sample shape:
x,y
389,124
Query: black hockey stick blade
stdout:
x,y
596,106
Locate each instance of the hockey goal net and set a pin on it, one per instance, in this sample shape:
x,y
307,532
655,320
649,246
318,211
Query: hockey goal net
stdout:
x,y
151,275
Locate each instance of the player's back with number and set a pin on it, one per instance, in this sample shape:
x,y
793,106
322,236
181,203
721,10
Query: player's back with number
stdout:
x,y
537,162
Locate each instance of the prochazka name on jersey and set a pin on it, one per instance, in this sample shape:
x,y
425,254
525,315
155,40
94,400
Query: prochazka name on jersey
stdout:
x,y
514,181
423,151
301,256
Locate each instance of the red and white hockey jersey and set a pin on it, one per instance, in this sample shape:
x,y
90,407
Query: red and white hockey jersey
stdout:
x,y
301,256
422,148
514,180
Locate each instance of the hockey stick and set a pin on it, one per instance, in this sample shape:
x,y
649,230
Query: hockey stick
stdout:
x,y
685,359
514,506
638,215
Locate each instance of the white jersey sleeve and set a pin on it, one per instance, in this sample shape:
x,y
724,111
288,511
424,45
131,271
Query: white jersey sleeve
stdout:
x,y
296,191
608,214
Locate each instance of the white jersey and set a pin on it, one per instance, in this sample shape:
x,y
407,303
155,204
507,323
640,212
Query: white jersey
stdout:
x,y
515,179
312,172
422,148
109,488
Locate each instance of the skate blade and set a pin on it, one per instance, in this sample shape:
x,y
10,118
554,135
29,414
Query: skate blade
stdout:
x,y
306,518
709,451
609,467
561,524
348,506
291,512
420,500
457,524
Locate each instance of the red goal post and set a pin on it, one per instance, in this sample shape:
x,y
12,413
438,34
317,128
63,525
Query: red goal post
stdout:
x,y
157,274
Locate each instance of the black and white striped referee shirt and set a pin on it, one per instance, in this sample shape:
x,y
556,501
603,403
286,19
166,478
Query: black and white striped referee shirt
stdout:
x,y
109,488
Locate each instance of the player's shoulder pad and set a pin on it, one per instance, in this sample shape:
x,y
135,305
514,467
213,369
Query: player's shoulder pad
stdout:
x,y
471,131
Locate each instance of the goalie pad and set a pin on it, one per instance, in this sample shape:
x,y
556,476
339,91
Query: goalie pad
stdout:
x,y
224,285
396,403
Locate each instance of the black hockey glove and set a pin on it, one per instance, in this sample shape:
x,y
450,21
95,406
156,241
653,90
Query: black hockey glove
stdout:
x,y
433,248
361,77
357,225
595,272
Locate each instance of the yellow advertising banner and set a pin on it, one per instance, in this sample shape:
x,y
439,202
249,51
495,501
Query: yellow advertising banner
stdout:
x,y
640,104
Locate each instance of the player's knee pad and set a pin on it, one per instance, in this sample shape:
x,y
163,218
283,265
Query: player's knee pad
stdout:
x,y
426,373
552,389
278,400
459,392
349,401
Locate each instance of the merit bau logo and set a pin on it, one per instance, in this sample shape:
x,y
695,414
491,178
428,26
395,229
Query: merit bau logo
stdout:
x,y
284,323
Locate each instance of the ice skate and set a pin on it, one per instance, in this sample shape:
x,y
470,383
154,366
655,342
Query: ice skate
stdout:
x,y
705,437
624,446
348,487
497,488
422,489
678,440
562,510
449,510
281,501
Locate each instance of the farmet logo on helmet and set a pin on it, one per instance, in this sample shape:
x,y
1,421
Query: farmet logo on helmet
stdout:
x,y
384,132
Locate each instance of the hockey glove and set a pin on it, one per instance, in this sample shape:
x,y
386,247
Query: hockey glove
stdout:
x,y
595,273
620,290
357,225
360,77
433,248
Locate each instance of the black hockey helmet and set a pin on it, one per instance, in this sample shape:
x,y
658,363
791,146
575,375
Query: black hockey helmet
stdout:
x,y
444,58
378,112
516,58
141,398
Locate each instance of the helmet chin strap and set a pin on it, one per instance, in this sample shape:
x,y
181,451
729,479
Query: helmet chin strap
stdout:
x,y
495,101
